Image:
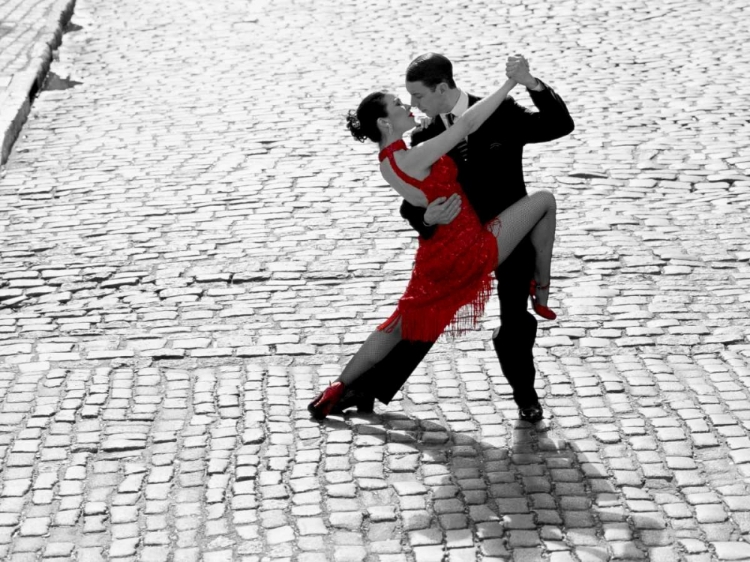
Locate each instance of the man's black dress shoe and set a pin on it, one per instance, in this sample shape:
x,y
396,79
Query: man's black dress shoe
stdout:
x,y
365,404
531,414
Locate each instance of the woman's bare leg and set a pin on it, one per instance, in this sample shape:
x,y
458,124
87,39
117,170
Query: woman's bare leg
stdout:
x,y
534,214
374,350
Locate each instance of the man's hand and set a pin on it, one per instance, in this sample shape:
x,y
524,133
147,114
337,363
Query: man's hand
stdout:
x,y
442,210
517,68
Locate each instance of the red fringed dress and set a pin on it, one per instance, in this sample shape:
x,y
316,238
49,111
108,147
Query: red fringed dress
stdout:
x,y
452,276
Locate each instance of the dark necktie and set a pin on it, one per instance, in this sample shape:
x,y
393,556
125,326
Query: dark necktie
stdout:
x,y
462,147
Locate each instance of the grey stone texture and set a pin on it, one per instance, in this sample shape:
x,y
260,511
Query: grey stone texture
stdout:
x,y
191,246
30,31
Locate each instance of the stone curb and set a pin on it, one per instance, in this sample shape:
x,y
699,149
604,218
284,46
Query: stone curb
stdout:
x,y
15,103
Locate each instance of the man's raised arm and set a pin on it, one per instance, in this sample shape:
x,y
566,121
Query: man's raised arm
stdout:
x,y
553,119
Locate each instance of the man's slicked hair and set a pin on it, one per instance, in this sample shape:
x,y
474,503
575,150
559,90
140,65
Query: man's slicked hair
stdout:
x,y
431,69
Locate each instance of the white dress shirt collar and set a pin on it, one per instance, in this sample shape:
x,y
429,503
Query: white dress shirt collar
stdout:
x,y
462,104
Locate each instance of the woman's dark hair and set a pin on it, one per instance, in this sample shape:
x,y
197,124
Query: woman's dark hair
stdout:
x,y
363,123
431,69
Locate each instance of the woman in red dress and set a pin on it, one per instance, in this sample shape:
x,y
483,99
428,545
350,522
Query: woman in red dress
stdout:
x,y
452,276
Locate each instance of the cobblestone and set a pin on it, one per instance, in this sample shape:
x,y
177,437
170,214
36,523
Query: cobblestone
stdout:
x,y
191,246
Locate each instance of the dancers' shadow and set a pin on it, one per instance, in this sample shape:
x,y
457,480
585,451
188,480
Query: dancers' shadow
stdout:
x,y
526,489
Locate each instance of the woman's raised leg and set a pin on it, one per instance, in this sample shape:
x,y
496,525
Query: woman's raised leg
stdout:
x,y
534,215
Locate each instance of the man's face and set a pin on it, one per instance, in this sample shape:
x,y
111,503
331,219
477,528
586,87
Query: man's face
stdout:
x,y
430,102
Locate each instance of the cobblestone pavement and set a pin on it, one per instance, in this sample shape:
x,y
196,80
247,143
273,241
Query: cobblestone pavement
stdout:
x,y
29,33
22,30
191,246
18,36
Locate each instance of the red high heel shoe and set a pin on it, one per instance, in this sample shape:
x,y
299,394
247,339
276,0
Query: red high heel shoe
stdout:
x,y
540,309
326,400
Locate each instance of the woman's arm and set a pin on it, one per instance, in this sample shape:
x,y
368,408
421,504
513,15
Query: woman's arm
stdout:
x,y
424,155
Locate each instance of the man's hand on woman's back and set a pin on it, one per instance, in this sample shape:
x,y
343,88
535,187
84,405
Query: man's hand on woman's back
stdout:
x,y
442,210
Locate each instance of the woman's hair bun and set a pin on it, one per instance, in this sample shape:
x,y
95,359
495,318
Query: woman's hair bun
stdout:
x,y
354,126
363,123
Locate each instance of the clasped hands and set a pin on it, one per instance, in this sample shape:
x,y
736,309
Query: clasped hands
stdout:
x,y
517,68
443,210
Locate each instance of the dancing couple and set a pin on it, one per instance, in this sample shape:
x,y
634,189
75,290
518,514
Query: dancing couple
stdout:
x,y
464,193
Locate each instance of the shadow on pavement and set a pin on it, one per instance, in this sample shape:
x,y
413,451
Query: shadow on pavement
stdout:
x,y
55,82
535,492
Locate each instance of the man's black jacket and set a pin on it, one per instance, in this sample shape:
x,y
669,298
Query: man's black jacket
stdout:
x,y
492,176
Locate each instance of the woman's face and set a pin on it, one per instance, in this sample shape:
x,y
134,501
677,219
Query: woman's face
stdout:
x,y
399,114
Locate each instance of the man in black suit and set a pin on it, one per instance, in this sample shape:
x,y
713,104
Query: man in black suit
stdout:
x,y
490,165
